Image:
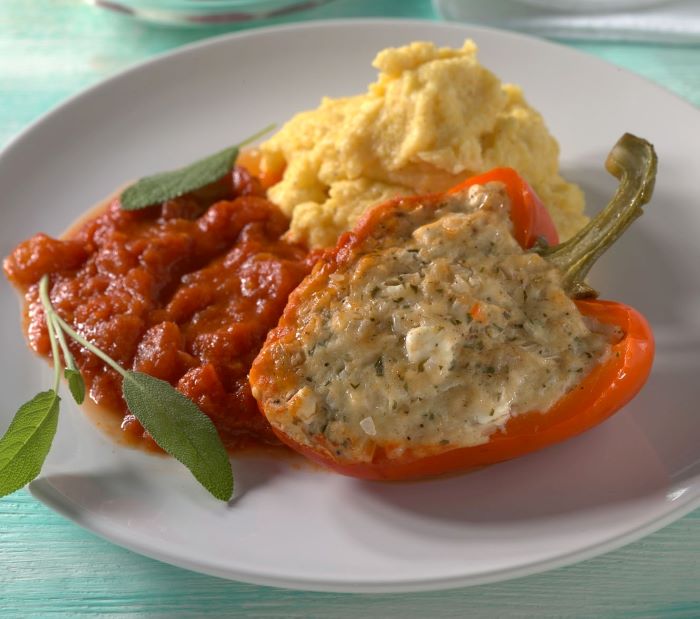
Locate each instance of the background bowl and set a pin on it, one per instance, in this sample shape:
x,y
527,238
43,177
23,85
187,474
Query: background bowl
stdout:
x,y
206,12
592,6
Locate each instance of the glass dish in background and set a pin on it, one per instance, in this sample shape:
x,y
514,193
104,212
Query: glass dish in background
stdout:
x,y
649,21
206,12
593,6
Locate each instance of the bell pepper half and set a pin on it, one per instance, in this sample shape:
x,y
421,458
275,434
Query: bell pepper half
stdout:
x,y
606,389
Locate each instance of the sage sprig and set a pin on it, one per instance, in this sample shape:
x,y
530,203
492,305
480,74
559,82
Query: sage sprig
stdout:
x,y
174,422
164,186
25,445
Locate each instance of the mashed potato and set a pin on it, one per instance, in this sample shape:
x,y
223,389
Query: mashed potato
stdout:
x,y
434,117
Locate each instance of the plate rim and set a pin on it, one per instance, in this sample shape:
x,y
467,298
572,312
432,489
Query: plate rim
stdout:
x,y
45,492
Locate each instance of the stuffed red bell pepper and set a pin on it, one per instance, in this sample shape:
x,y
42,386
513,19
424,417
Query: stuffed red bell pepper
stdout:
x,y
451,331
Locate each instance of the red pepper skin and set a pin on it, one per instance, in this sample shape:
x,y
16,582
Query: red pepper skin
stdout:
x,y
606,389
531,220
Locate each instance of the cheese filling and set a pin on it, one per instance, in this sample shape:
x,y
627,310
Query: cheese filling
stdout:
x,y
438,336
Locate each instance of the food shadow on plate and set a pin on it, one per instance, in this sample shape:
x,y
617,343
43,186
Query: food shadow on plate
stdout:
x,y
111,491
612,464
252,472
669,411
126,489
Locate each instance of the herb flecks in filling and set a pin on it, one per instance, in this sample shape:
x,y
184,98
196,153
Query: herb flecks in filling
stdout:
x,y
440,331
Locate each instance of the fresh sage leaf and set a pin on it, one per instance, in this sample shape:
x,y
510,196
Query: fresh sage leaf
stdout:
x,y
76,384
25,445
181,429
168,185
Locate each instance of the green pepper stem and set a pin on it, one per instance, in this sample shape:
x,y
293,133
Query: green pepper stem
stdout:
x,y
633,161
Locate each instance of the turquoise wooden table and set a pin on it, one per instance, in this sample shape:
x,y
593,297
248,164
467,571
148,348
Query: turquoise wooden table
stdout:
x,y
50,49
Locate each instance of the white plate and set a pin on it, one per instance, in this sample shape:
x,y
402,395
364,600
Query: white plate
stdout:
x,y
299,527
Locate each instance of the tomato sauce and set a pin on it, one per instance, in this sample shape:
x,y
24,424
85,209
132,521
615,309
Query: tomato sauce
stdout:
x,y
185,291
